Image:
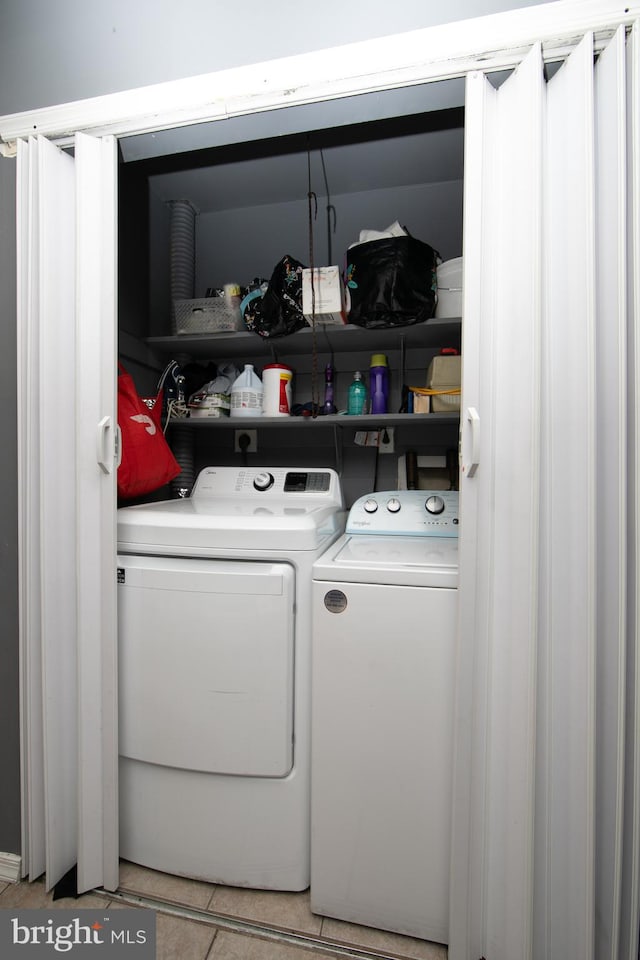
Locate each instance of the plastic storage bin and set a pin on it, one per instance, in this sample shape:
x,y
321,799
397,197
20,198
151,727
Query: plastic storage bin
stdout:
x,y
444,374
209,315
449,289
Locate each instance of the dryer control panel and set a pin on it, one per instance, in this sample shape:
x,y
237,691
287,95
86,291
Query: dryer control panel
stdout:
x,y
284,484
406,513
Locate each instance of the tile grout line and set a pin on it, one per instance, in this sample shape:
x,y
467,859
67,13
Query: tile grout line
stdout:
x,y
249,927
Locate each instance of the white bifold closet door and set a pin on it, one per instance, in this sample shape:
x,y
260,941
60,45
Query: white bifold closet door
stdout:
x,y
67,423
546,798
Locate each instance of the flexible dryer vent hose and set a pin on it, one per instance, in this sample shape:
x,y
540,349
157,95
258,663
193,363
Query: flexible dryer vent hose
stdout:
x,y
183,259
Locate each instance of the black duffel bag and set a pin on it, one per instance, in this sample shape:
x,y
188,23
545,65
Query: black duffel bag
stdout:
x,y
392,282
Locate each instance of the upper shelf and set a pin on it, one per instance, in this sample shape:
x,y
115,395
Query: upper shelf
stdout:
x,y
436,332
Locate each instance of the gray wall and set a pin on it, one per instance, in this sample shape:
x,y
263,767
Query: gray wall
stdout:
x,y
9,741
432,212
72,49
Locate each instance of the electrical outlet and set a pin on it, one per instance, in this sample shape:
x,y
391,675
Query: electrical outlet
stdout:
x,y
252,446
385,440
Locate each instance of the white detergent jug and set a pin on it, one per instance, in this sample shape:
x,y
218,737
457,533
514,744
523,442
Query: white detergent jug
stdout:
x,y
246,394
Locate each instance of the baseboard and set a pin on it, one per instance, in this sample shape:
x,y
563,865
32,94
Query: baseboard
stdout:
x,y
9,867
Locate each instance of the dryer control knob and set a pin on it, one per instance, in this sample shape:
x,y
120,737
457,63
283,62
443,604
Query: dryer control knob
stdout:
x,y
393,505
370,505
263,481
434,505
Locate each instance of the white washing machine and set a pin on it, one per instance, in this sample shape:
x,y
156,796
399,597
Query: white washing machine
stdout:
x,y
214,621
383,655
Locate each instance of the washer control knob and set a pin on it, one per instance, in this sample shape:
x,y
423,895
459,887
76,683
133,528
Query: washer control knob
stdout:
x,y
370,505
263,481
434,505
393,505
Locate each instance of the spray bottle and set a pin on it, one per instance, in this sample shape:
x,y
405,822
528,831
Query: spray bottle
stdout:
x,y
328,406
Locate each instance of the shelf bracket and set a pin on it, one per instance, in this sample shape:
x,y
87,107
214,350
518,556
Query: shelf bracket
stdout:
x,y
337,446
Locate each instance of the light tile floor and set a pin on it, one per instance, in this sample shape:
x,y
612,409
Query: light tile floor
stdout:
x,y
194,937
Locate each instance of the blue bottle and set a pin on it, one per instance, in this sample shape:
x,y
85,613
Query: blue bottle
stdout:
x,y
357,395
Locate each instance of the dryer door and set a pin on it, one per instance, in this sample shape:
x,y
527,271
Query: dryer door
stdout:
x,y
206,664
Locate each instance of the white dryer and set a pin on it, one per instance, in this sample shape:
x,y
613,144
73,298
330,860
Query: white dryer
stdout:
x,y
214,622
384,653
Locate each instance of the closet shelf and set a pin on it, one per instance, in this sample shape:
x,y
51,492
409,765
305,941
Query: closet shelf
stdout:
x,y
369,421
431,333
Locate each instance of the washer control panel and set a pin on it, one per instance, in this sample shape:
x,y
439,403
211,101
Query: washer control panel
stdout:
x,y
406,513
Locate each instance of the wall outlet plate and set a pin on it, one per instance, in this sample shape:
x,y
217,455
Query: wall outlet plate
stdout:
x,y
386,439
252,446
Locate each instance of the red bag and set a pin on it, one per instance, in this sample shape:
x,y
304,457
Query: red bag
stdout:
x,y
147,462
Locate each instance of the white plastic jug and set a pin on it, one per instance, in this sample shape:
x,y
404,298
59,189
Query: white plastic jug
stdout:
x,y
246,394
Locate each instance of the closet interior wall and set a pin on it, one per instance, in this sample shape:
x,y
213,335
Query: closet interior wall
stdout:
x,y
251,194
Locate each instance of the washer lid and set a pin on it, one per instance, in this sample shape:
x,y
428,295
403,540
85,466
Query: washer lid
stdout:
x,y
228,524
411,561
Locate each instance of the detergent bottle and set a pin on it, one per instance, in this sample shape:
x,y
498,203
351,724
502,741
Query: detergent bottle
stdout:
x,y
379,383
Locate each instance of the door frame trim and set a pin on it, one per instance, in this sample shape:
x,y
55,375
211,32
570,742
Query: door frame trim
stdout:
x,y
495,42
